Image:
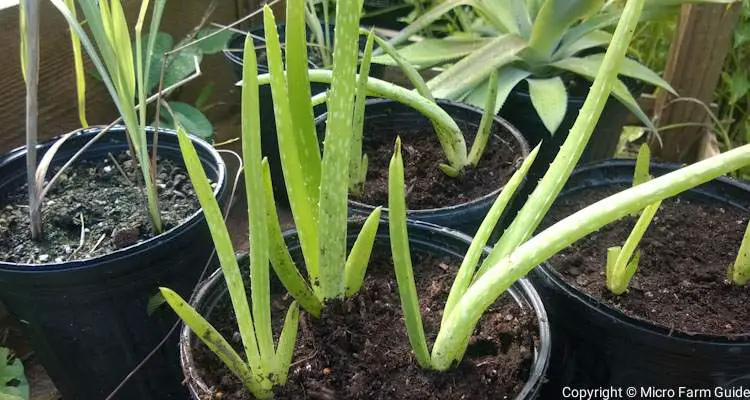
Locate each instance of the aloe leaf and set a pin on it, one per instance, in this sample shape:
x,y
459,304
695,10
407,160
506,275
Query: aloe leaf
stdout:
x,y
259,387
476,67
431,52
485,125
624,268
426,19
411,73
469,264
588,70
407,289
359,257
740,273
554,19
357,166
281,260
335,165
634,69
641,174
287,341
508,78
256,206
223,245
593,39
298,85
550,99
303,206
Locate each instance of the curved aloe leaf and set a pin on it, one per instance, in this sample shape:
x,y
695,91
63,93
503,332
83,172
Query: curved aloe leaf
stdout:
x,y
254,380
588,70
593,39
485,125
469,264
476,67
357,163
634,69
256,204
287,340
430,52
406,67
550,99
359,257
407,289
281,260
302,204
298,86
507,79
740,273
554,19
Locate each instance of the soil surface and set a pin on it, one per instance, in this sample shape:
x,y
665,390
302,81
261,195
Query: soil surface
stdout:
x,y
359,348
105,200
426,185
681,282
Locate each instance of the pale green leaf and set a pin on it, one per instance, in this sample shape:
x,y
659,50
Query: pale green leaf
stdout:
x,y
411,73
476,67
181,65
359,257
256,206
13,383
402,258
485,124
163,42
430,52
507,79
588,70
223,244
634,69
641,174
554,19
253,379
358,165
287,341
594,39
740,273
302,205
550,99
281,260
215,43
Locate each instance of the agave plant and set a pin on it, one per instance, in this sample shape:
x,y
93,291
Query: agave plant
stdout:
x,y
542,42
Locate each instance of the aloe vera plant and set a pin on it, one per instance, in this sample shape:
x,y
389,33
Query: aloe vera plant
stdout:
x,y
539,42
517,252
622,261
126,81
739,272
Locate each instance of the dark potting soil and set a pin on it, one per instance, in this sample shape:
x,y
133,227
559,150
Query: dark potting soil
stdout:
x,y
681,282
426,185
359,348
95,196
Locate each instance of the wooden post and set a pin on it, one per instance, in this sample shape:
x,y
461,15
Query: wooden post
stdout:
x,y
696,57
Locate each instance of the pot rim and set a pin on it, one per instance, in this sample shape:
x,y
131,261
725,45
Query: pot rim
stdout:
x,y
596,306
489,197
134,249
524,289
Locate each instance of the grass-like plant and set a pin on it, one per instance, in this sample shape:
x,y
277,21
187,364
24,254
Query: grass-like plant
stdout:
x,y
125,79
622,261
517,252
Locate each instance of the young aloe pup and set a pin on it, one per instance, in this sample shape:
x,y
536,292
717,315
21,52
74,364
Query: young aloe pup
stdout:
x,y
517,252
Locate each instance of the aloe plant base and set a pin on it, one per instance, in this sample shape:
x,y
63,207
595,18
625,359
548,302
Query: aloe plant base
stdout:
x,y
88,320
363,337
606,340
458,203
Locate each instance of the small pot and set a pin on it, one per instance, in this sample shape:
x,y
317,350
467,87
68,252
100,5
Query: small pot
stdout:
x,y
269,141
425,237
600,346
389,116
87,319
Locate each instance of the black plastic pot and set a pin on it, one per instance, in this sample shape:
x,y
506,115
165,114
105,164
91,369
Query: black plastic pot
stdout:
x,y
600,346
422,237
382,115
87,320
269,141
